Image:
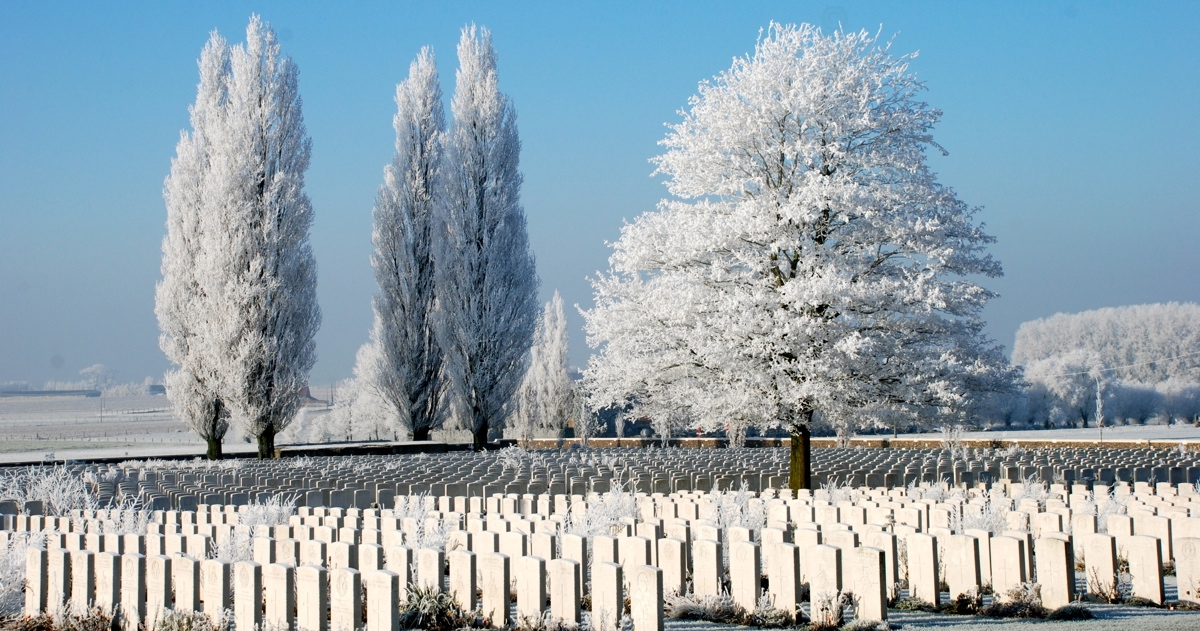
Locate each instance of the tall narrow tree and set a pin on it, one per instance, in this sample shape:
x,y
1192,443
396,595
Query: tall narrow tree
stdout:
x,y
546,398
487,282
266,278
183,299
407,364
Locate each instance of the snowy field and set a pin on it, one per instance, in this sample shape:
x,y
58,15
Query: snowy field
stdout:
x,y
74,427
33,428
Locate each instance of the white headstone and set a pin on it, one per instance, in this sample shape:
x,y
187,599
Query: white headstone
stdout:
x,y
83,579
36,581
462,578
133,591
674,567
494,569
279,588
1187,568
1145,568
923,576
784,578
706,568
962,565
215,587
608,601
646,597
565,592
1100,565
1008,565
825,585
345,600
1055,571
312,598
869,576
159,593
531,586
430,569
383,600
745,571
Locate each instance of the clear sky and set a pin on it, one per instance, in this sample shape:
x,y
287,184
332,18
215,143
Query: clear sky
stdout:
x,y
1074,125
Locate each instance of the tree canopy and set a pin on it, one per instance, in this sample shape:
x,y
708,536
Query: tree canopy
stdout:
x,y
809,261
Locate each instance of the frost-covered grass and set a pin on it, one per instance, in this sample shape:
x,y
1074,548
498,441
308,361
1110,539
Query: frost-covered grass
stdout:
x,y
721,608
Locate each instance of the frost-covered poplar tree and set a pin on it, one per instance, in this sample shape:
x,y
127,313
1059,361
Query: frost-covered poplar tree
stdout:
x,y
183,299
264,310
408,361
545,399
486,279
810,261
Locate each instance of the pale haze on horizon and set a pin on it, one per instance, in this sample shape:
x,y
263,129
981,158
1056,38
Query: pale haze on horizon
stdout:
x,y
1073,126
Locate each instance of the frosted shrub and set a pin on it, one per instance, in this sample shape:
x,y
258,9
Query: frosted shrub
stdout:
x,y
12,571
1106,505
952,441
836,491
1032,489
236,547
414,506
516,458
938,492
713,608
734,509
991,516
59,491
302,462
604,511
428,534
432,534
126,518
182,620
1022,601
275,511
828,610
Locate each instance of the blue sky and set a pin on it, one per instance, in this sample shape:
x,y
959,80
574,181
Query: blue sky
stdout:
x,y
1074,126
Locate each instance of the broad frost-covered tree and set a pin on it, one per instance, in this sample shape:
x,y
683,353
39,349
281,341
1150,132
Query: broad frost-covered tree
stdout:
x,y
184,300
811,261
486,279
545,400
408,361
260,274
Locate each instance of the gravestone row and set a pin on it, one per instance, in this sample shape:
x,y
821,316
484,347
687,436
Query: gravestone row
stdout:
x,y
875,543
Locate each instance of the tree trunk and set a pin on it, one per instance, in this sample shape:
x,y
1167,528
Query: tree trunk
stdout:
x,y
214,449
421,433
266,443
800,473
481,434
